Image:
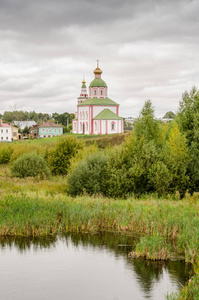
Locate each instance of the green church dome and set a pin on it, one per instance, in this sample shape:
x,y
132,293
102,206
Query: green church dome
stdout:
x,y
98,82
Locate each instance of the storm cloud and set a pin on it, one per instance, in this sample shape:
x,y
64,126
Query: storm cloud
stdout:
x,y
147,50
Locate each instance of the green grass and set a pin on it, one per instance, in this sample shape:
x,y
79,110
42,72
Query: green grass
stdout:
x,y
172,221
29,207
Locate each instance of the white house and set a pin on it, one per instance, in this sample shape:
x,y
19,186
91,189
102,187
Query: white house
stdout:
x,y
5,132
96,113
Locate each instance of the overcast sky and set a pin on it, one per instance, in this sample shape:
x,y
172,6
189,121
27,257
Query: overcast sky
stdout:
x,y
148,49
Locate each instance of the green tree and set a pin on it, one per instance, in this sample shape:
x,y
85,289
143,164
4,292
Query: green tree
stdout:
x,y
177,158
146,125
59,156
188,120
26,129
188,110
169,115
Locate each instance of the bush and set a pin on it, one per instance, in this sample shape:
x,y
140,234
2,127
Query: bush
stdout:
x,y
88,176
26,147
116,181
30,165
59,156
6,151
82,154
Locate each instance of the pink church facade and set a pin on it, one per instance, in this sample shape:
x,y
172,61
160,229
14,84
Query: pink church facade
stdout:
x,y
96,113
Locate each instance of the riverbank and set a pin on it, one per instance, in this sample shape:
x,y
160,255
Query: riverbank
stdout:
x,y
42,213
175,223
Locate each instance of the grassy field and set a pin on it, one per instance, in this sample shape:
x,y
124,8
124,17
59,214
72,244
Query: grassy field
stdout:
x,y
29,207
85,137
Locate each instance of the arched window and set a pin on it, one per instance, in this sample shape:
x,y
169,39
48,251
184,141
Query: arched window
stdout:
x,y
95,125
113,126
101,92
95,92
86,125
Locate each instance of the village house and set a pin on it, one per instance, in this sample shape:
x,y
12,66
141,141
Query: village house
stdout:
x,y
96,113
8,133
47,129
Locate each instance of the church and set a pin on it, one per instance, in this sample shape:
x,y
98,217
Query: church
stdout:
x,y
96,113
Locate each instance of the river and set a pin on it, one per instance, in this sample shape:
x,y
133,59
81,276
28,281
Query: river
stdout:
x,y
84,267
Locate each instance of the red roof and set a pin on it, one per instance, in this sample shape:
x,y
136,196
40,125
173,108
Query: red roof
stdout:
x,y
5,125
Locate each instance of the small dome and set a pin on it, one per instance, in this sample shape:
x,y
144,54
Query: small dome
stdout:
x,y
97,70
83,83
98,82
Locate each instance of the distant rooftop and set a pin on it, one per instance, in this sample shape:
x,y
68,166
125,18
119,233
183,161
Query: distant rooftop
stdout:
x,y
23,124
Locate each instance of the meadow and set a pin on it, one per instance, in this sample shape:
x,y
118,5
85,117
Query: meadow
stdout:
x,y
143,184
165,226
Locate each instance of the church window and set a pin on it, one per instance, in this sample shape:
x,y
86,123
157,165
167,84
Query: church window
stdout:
x,y
101,92
75,126
113,126
95,125
86,126
1,130
95,92
2,138
6,130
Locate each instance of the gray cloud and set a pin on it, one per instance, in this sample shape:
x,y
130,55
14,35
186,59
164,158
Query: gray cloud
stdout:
x,y
147,49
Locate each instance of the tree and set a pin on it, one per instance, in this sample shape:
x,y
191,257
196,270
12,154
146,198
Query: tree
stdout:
x,y
64,119
26,129
169,115
146,125
186,116
60,155
177,158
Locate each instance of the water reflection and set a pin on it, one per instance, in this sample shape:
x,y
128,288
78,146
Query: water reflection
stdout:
x,y
145,273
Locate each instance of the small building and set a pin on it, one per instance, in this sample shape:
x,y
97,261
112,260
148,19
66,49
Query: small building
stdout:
x,y
33,132
5,132
96,113
47,129
15,134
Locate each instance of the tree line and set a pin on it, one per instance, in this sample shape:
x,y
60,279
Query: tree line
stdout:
x,y
19,115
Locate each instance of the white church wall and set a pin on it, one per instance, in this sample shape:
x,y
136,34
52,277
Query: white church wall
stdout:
x,y
98,109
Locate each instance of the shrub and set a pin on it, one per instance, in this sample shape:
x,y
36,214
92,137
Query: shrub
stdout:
x,y
82,154
59,156
26,147
88,176
116,181
6,151
30,165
